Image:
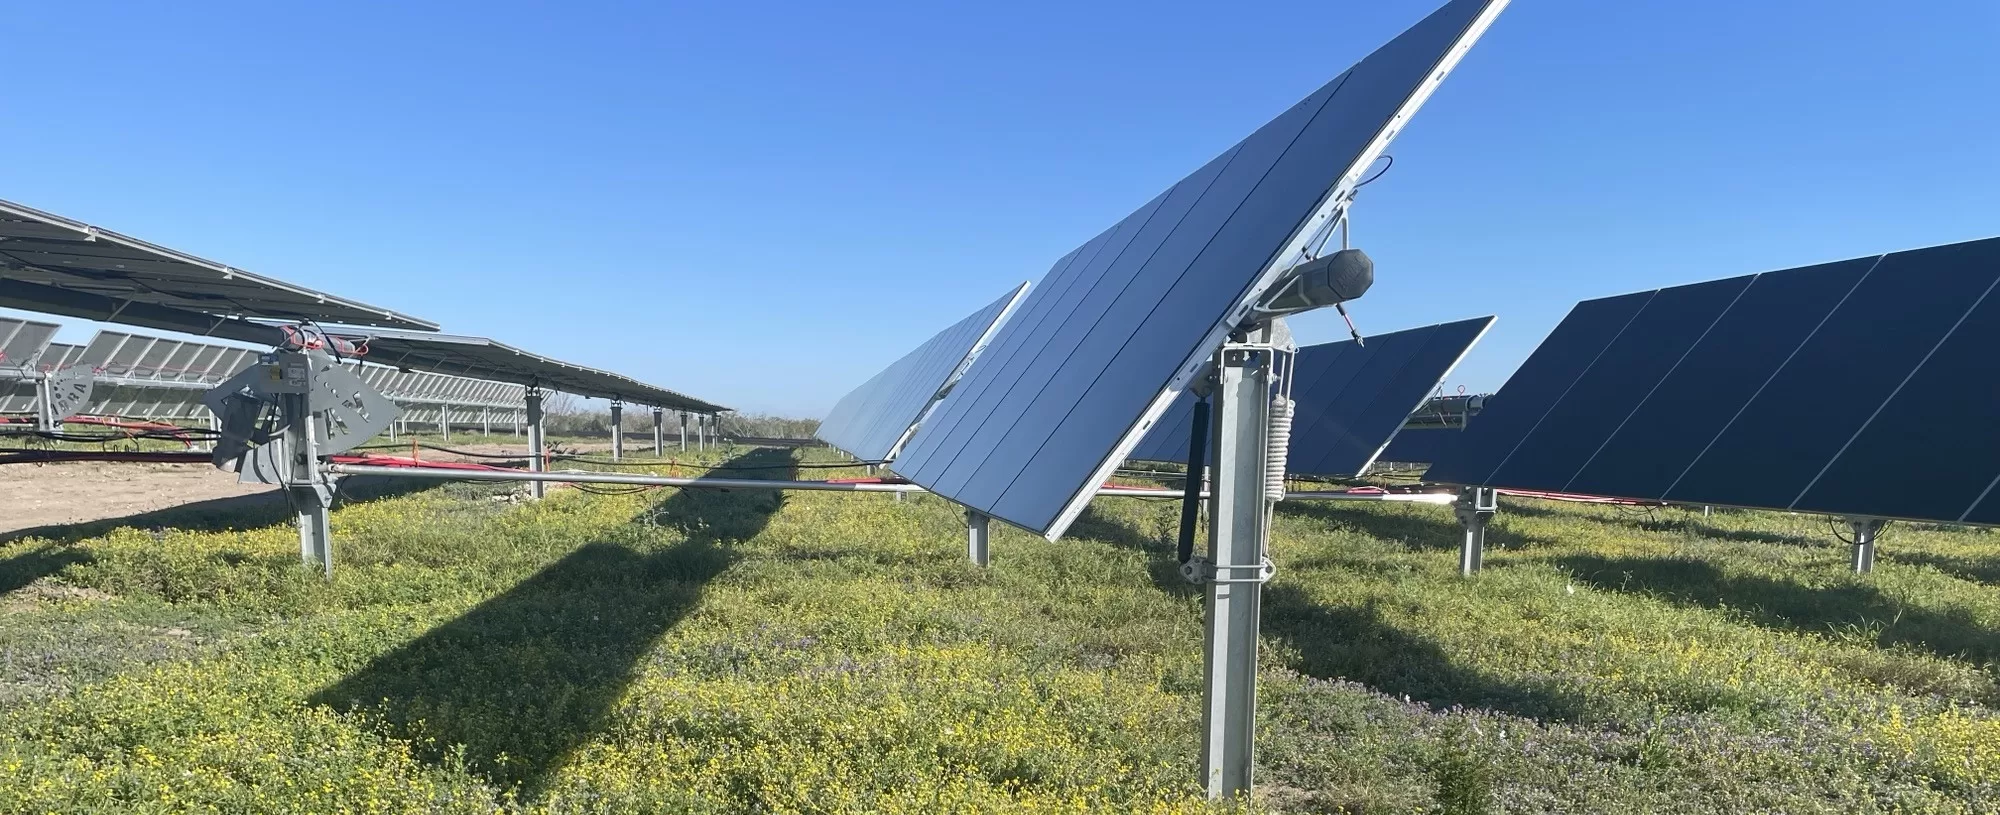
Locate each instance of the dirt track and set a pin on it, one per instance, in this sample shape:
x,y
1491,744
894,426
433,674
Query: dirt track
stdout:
x,y
33,495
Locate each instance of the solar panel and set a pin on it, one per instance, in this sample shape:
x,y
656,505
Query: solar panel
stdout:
x,y
482,358
872,421
1413,445
1810,389
1350,398
42,249
22,341
1118,326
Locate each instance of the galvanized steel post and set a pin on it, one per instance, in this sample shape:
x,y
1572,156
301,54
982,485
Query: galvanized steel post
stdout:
x,y
536,460
617,431
1865,532
1476,506
1236,567
659,432
978,533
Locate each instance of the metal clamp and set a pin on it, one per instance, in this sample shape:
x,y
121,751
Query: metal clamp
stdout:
x,y
1199,571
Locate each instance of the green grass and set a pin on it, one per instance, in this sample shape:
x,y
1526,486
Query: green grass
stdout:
x,y
708,651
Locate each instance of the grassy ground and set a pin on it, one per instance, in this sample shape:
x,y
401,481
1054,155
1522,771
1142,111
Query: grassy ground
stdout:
x,y
713,651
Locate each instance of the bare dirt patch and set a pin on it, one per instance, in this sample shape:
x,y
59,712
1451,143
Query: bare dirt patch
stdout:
x,y
34,495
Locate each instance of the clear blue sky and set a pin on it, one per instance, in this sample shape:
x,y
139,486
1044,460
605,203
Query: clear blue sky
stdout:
x,y
764,203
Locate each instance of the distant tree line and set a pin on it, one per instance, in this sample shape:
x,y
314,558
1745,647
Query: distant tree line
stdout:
x,y
564,415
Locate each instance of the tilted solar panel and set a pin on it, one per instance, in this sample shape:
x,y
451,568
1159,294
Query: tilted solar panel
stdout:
x,y
1808,389
1117,327
1349,398
870,422
22,341
40,249
1421,445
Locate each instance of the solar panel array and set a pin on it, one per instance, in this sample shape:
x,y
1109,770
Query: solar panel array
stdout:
x,y
483,358
872,421
42,249
22,342
1817,389
1117,326
1349,397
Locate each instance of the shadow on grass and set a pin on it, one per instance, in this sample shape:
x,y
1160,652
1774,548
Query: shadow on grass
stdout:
x,y
526,677
1161,563
1427,527
1855,608
21,569
1667,520
1355,643
236,513
1971,569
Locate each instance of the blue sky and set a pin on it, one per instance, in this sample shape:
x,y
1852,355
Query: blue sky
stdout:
x,y
763,204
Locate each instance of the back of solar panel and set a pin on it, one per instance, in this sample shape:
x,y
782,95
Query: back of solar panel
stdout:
x,y
1349,397
1808,389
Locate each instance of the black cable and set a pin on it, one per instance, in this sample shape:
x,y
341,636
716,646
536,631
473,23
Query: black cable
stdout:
x,y
1378,175
1191,488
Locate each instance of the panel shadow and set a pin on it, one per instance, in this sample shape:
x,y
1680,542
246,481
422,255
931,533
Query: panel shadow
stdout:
x,y
1355,643
1433,527
1159,550
526,677
1782,604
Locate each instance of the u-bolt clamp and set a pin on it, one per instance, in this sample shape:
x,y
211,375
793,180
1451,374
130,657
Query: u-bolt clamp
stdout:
x,y
1200,571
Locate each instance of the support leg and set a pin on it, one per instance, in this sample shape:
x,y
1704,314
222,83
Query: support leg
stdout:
x,y
444,422
536,456
1236,567
978,532
1865,532
659,433
684,431
485,422
617,431
310,496
1476,506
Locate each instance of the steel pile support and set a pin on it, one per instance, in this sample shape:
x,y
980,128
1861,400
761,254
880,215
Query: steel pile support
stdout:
x,y
537,456
978,537
617,431
1236,567
444,421
659,433
684,431
1866,530
1475,507
311,498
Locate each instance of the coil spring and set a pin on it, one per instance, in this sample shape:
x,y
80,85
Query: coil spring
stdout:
x,y
1277,445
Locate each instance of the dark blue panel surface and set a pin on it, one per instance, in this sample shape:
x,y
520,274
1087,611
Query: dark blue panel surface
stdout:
x,y
1541,381
1717,377
1820,398
1168,440
1600,400
1023,434
868,421
1421,445
1933,447
1352,445
1349,398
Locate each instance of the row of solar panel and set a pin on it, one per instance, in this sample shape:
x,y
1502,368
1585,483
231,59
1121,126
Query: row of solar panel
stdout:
x,y
158,378
1111,335
1863,387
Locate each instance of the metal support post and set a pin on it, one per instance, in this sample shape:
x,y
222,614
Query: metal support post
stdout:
x,y
701,431
44,405
310,498
536,456
659,433
617,431
444,421
1476,506
1865,532
1236,567
485,421
684,431
978,533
